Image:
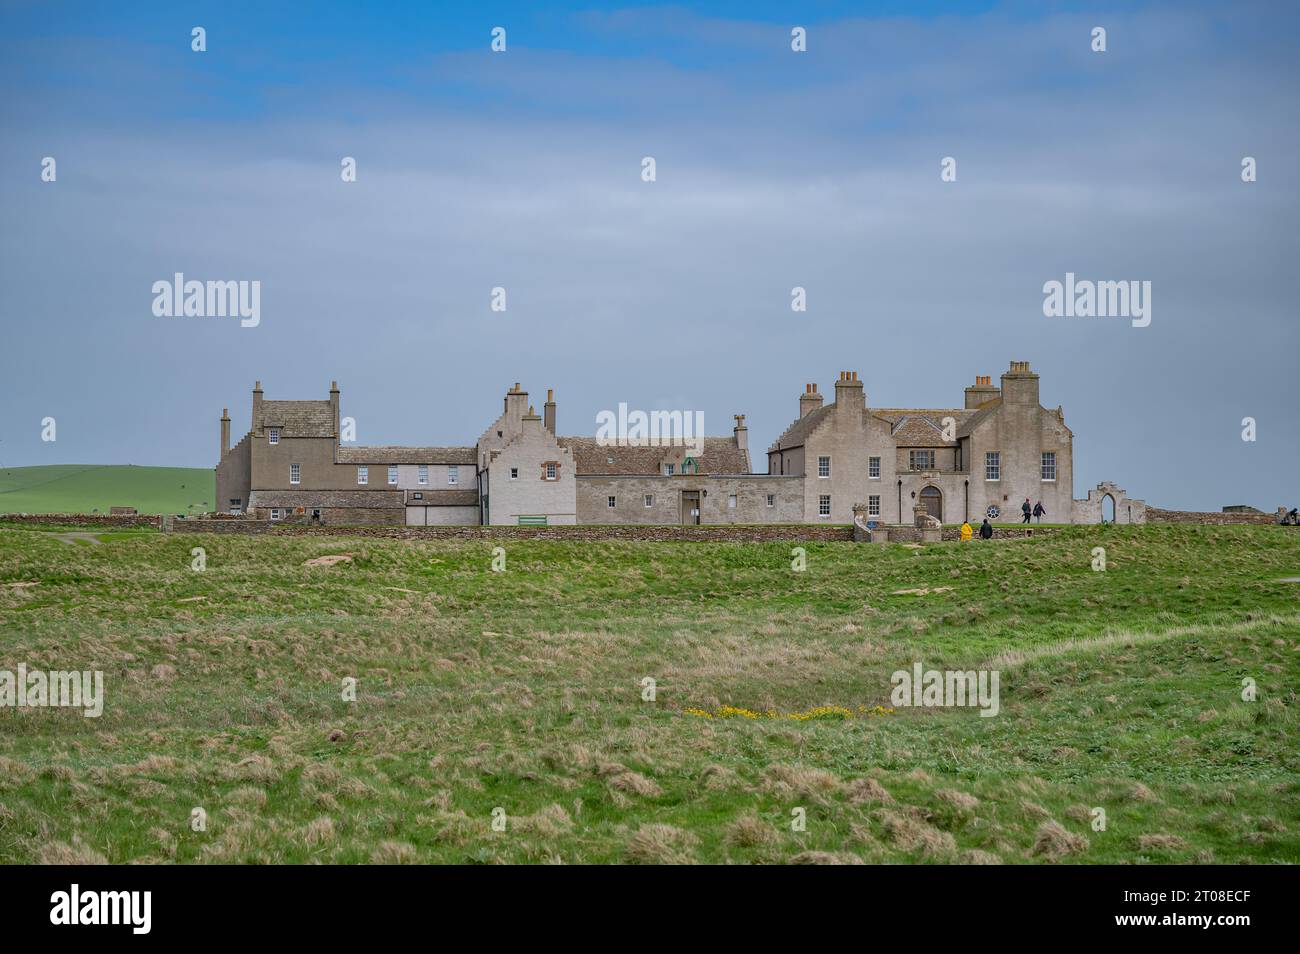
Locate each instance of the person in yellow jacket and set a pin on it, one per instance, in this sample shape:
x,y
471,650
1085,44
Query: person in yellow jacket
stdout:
x,y
966,532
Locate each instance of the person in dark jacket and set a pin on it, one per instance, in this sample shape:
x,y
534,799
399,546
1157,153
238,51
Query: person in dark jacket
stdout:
x,y
1026,509
1039,511
986,530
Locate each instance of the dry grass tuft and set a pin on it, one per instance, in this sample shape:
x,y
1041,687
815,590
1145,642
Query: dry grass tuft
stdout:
x,y
825,858
658,844
862,790
76,853
255,768
800,781
248,795
750,831
620,778
549,822
319,831
957,799
393,853
1053,841
909,833
717,778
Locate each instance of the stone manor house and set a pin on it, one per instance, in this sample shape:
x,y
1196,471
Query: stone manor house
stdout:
x,y
957,464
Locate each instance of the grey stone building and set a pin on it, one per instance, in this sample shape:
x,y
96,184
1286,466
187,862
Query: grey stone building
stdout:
x,y
999,448
988,456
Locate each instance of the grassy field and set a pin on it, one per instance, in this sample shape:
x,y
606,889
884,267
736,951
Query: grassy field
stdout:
x,y
84,488
521,693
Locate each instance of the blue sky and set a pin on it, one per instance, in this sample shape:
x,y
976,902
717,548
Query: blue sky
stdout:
x,y
775,169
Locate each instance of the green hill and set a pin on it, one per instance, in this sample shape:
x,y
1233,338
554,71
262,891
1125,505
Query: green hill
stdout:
x,y
85,488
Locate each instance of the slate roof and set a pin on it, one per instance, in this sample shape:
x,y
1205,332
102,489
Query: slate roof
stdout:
x,y
325,498
797,433
351,454
299,418
986,411
721,456
911,427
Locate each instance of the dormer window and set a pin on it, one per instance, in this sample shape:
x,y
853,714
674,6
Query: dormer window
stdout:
x,y
668,469
274,436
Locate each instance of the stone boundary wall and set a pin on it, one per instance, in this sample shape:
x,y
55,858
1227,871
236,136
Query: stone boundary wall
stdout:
x,y
1156,515
740,533
84,519
999,533
716,534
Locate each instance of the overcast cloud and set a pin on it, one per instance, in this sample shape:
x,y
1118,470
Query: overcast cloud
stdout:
x,y
775,169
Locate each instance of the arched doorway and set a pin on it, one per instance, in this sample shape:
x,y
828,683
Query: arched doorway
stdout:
x,y
1108,509
932,501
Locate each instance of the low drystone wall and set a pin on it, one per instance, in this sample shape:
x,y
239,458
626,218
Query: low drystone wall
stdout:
x,y
719,534
83,519
1156,515
1001,533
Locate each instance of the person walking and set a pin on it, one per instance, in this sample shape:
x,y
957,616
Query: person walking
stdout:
x,y
1026,510
986,530
966,532
1039,511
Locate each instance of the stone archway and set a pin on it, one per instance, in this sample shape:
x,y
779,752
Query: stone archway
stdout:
x,y
1122,508
931,498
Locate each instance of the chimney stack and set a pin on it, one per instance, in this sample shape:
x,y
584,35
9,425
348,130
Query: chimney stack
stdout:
x,y
981,392
741,432
849,392
225,433
516,407
257,407
334,403
548,410
1020,385
809,401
